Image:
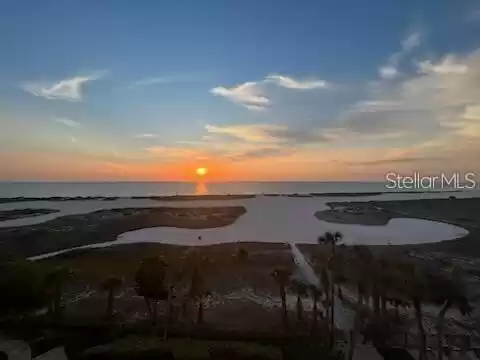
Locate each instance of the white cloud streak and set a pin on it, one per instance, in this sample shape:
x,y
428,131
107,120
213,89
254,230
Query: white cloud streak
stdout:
x,y
149,81
448,65
68,122
291,83
268,133
411,41
390,70
68,89
144,136
248,94
250,132
252,94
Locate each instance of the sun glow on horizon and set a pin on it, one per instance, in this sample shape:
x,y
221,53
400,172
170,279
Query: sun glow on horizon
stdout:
x,y
201,171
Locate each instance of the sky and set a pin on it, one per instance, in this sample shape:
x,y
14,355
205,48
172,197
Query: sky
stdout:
x,y
307,90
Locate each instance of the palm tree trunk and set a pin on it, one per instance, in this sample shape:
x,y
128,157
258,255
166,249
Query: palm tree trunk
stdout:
x,y
185,305
299,308
109,310
332,315
440,323
328,307
421,330
200,311
332,297
284,306
326,289
384,303
149,307
356,328
169,308
57,301
376,300
154,312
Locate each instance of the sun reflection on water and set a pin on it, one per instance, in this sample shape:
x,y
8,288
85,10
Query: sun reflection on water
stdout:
x,y
201,188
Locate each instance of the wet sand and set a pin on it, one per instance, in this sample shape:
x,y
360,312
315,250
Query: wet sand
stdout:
x,y
24,213
105,226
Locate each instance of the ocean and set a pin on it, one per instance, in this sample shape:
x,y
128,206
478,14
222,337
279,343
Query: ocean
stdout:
x,y
127,189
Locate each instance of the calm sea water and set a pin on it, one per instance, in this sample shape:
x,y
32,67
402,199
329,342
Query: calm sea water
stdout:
x,y
46,189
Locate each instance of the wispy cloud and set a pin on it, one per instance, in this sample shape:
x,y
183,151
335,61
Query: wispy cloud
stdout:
x,y
145,136
248,94
399,160
73,140
268,133
390,71
172,152
252,132
261,152
238,143
232,151
149,81
68,122
450,64
472,112
252,95
412,41
68,89
291,83
441,100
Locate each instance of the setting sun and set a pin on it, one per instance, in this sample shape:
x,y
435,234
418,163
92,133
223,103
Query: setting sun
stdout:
x,y
201,171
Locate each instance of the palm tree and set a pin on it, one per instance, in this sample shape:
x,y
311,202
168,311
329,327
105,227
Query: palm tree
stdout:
x,y
316,295
397,302
281,276
384,278
412,282
331,239
449,290
198,292
322,261
169,310
198,265
54,284
111,285
359,274
301,290
337,238
149,280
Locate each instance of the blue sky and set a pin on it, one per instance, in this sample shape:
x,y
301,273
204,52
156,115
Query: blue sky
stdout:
x,y
254,90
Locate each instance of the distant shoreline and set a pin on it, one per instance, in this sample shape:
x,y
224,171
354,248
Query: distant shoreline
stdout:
x,y
6,200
